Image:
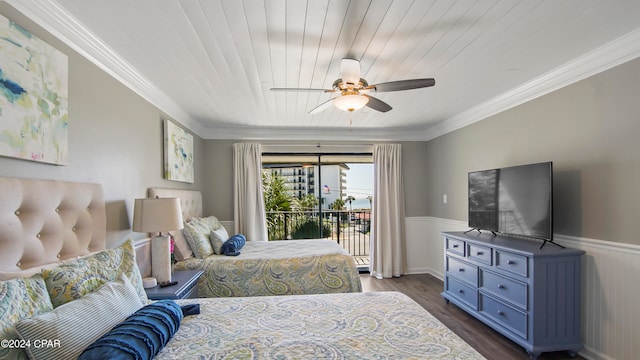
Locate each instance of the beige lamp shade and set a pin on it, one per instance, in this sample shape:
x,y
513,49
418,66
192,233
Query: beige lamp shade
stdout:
x,y
157,215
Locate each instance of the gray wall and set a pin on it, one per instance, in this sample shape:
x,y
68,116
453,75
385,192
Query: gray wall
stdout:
x,y
218,187
115,139
218,175
589,130
414,174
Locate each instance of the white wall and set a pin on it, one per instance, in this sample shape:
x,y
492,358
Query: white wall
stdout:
x,y
610,314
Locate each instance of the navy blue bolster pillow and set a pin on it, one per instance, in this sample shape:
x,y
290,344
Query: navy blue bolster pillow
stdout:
x,y
141,336
233,245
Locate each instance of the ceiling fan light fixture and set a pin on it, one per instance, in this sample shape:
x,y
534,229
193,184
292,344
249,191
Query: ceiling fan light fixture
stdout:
x,y
350,102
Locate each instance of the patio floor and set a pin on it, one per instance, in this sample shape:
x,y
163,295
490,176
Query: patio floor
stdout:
x,y
361,260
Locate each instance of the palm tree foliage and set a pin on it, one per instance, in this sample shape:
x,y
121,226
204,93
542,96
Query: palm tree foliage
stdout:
x,y
288,214
337,204
308,202
349,200
276,199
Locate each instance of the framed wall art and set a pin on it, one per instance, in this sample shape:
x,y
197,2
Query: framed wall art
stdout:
x,y
33,97
178,153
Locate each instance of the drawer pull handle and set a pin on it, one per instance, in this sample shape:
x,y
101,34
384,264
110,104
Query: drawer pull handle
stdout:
x,y
455,246
461,269
461,291
500,313
511,262
500,286
479,253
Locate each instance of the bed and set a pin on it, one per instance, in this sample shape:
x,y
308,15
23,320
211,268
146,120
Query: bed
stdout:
x,y
379,325
63,295
263,268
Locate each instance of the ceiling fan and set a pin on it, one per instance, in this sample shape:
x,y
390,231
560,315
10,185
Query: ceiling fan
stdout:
x,y
353,89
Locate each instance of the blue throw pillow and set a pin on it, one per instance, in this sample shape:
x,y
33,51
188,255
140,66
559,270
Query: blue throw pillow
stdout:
x,y
141,336
233,245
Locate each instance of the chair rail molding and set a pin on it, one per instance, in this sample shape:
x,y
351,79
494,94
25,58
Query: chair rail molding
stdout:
x,y
610,318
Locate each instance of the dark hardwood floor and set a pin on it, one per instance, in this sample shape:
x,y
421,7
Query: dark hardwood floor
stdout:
x,y
425,290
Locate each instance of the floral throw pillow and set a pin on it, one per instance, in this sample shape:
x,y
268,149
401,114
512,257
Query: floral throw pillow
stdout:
x,y
76,278
197,234
212,222
19,299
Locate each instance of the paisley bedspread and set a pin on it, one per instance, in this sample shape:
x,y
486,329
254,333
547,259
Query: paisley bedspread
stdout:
x,y
379,325
290,267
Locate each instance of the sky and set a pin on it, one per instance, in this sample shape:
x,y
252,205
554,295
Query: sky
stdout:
x,y
360,180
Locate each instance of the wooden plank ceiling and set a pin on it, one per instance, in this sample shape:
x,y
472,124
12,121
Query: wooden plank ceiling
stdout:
x,y
216,60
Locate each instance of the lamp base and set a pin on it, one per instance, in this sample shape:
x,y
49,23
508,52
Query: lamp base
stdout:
x,y
149,282
161,258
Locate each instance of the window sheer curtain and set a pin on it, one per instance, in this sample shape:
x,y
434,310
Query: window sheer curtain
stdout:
x,y
250,218
388,257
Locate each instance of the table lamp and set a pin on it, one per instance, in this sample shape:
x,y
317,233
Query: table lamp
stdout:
x,y
158,215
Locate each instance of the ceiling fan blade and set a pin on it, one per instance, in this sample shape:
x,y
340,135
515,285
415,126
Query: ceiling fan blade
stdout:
x,y
301,89
403,85
350,71
377,104
325,105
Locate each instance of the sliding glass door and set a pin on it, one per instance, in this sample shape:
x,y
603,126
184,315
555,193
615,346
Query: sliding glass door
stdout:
x,y
320,195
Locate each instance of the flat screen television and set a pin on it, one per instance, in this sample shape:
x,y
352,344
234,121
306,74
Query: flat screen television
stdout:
x,y
515,200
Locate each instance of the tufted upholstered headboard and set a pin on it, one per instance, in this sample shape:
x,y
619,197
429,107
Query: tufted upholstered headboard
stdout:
x,y
43,222
190,200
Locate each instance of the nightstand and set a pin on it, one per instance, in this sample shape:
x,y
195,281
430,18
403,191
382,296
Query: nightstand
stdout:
x,y
186,288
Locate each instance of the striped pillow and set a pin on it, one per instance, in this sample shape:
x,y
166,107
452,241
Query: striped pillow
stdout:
x,y
77,324
141,336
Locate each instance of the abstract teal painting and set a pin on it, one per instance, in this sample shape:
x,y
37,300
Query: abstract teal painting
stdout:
x,y
178,153
33,97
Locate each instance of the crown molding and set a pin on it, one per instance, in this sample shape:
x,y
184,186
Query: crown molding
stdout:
x,y
616,52
61,24
320,134
56,20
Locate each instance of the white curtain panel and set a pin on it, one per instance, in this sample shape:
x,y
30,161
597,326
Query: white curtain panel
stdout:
x,y
249,213
388,257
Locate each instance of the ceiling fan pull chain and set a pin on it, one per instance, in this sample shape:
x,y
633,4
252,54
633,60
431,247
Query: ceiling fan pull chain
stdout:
x,y
350,119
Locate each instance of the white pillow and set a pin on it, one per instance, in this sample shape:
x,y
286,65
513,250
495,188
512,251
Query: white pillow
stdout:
x,y
73,326
217,238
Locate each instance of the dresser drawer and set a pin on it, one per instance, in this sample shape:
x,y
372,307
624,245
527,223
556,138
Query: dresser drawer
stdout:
x,y
462,271
463,292
510,290
455,246
504,315
479,253
513,263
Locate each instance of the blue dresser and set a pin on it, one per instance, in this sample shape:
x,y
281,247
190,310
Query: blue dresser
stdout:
x,y
528,294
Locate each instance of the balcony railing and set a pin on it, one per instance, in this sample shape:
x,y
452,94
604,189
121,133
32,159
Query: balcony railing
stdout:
x,y
349,228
